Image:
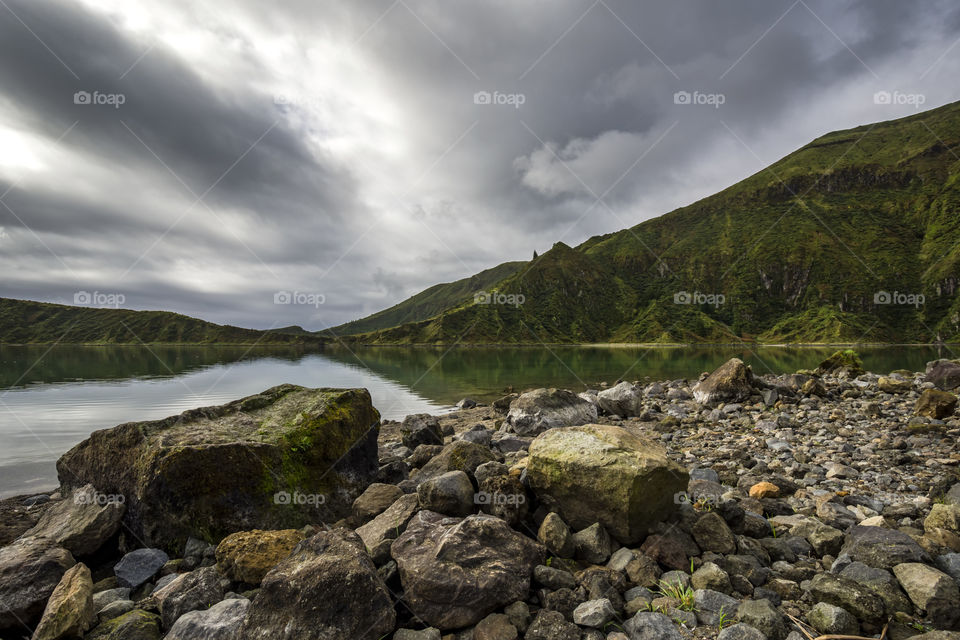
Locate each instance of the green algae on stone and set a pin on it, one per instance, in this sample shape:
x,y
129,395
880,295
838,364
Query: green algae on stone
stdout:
x,y
283,458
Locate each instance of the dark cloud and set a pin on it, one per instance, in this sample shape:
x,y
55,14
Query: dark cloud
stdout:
x,y
377,174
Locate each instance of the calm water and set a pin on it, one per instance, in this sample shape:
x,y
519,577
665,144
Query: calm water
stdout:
x,y
51,399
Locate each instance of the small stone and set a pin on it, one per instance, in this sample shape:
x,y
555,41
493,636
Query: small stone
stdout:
x,y
763,616
830,619
222,621
712,534
247,556
592,544
594,613
648,625
450,493
374,500
555,535
139,566
710,576
764,490
944,516
741,631
551,625
495,626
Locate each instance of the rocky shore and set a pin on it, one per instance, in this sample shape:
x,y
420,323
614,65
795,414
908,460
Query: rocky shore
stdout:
x,y
738,506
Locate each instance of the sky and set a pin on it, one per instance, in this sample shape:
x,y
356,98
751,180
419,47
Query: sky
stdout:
x,y
292,162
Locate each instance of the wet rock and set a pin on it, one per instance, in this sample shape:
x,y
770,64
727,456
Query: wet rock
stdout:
x,y
69,612
605,474
81,522
456,571
284,458
536,411
731,382
327,588
247,556
30,570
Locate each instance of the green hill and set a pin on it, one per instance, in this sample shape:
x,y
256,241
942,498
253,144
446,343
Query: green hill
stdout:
x,y
430,302
29,322
807,250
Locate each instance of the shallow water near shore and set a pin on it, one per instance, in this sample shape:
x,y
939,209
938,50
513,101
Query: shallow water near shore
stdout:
x,y
52,398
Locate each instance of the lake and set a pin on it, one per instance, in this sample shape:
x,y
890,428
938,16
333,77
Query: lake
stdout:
x,y
51,398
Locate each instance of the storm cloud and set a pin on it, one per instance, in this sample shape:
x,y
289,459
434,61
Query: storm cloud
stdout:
x,y
201,158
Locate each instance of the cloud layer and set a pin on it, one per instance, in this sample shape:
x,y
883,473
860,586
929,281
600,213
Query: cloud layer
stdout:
x,y
200,159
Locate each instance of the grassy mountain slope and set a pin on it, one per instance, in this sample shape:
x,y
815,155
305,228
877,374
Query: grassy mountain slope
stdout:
x,y
430,302
29,322
798,252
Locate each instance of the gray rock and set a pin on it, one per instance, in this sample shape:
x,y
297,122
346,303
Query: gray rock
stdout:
x,y
379,533
450,493
551,625
710,576
374,500
222,621
762,615
456,571
196,590
592,544
495,626
710,605
711,533
882,548
950,564
555,535
741,631
830,619
932,591
115,609
417,634
624,400
882,583
139,566
327,588
849,594
651,626
554,578
420,428
519,614
594,613
103,598
30,569
730,382
82,521
541,409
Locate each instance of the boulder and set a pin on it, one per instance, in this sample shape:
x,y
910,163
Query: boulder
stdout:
x,y
284,458
730,382
192,591
605,474
327,588
30,570
504,497
932,591
247,556
139,566
459,455
542,409
944,374
624,400
69,612
379,532
847,593
935,404
943,516
846,362
882,583
450,493
81,522
420,428
894,385
222,621
135,625
456,571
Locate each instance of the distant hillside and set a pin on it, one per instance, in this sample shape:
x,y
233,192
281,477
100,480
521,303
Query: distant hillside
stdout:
x,y
430,302
852,238
28,322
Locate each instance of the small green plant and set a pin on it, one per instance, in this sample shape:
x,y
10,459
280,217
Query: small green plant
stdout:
x,y
773,529
919,626
722,619
681,594
691,566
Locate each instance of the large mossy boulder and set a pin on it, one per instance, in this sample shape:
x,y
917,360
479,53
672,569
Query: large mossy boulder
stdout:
x,y
281,459
606,474
730,382
846,362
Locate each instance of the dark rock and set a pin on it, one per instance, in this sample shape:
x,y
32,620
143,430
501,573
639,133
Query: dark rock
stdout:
x,y
730,382
882,548
139,566
421,428
30,569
